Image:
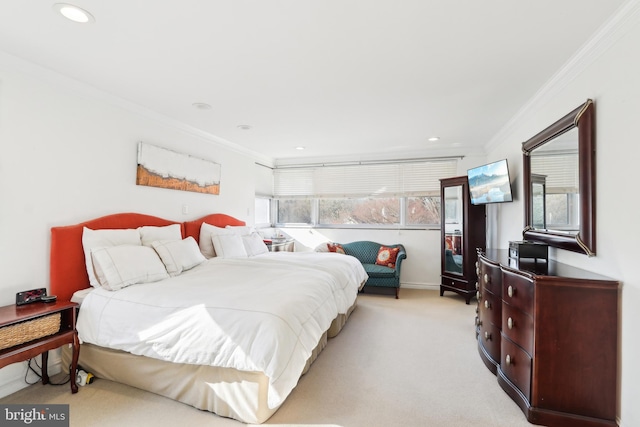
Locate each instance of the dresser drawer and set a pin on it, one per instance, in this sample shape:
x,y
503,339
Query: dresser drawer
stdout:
x,y
490,308
489,338
518,327
517,291
461,284
515,363
490,277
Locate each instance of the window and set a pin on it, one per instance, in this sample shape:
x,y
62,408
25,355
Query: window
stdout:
x,y
557,180
262,212
294,211
562,211
423,210
380,194
370,210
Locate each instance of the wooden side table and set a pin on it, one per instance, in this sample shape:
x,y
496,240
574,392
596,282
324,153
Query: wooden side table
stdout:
x,y
29,319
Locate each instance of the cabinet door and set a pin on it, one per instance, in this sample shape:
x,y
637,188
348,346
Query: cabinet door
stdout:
x,y
453,230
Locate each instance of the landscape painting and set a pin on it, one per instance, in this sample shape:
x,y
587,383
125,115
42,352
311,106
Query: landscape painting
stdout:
x,y
160,167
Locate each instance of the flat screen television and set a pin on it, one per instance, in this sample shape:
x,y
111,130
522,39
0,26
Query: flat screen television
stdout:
x,y
490,183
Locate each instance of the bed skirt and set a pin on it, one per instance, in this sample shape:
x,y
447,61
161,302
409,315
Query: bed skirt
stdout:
x,y
227,392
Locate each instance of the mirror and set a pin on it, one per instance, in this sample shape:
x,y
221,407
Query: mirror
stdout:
x,y
559,183
453,229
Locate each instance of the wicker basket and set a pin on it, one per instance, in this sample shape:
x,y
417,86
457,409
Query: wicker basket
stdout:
x,y
30,330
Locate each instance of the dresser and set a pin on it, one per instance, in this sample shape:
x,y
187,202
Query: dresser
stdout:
x,y
549,332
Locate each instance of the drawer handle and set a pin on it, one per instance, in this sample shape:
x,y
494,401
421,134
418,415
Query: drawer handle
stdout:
x,y
510,323
478,295
487,336
508,360
476,264
486,304
478,272
478,321
477,287
510,291
486,278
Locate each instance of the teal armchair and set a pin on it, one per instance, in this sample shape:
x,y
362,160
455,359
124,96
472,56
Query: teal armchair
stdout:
x,y
379,276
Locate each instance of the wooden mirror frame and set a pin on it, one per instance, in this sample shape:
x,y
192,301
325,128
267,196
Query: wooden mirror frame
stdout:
x,y
584,241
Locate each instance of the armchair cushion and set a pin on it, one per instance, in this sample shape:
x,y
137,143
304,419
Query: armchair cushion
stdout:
x,y
375,270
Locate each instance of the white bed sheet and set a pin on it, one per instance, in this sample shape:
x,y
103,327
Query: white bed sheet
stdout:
x,y
265,313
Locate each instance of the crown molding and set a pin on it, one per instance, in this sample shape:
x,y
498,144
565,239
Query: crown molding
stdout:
x,y
623,21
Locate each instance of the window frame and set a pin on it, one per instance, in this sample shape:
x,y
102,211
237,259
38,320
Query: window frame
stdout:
x,y
315,208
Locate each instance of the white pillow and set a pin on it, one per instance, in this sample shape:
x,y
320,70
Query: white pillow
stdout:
x,y
243,230
322,247
120,266
179,255
254,244
228,245
149,234
105,238
206,244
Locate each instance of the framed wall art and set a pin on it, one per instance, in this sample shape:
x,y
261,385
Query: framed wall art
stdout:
x,y
160,167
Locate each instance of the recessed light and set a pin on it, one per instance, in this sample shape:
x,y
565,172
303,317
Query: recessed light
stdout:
x,y
244,127
74,13
201,105
300,148
434,139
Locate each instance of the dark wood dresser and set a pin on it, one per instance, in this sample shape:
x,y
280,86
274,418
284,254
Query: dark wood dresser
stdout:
x,y
549,332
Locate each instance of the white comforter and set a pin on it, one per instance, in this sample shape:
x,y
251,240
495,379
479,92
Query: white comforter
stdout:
x,y
265,313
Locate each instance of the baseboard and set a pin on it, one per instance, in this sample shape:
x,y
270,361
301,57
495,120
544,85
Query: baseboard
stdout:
x,y
425,286
12,377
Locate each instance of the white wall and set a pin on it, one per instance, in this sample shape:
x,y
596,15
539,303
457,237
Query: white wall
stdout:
x,y
66,157
611,80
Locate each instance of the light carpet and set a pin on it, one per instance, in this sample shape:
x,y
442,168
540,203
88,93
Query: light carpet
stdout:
x,y
407,362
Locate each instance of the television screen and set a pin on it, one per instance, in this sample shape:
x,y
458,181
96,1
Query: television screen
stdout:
x,y
490,183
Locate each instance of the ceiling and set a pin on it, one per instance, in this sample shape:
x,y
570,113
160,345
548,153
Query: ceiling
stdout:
x,y
346,79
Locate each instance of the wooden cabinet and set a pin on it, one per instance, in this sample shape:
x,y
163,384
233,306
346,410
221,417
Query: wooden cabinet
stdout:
x,y
558,348
489,319
29,330
463,232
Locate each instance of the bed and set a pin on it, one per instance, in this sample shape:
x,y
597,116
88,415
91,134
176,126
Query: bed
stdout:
x,y
230,335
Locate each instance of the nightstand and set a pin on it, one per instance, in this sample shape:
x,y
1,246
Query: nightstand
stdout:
x,y
36,328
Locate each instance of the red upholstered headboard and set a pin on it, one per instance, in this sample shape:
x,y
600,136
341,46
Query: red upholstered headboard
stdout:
x,y
192,228
68,272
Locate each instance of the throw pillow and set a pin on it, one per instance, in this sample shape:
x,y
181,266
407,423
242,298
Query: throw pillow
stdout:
x,y
387,256
335,247
105,238
205,242
228,246
254,244
149,234
178,255
120,266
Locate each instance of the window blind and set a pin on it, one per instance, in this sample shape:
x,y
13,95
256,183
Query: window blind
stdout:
x,y
263,178
560,170
363,180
